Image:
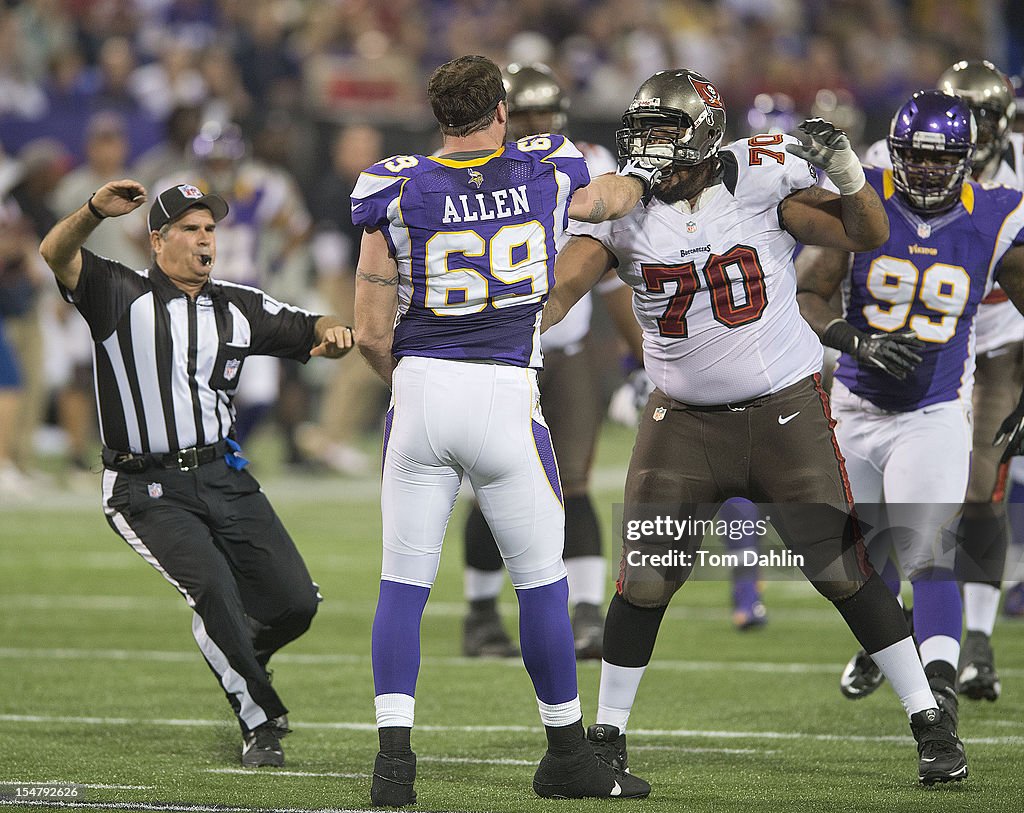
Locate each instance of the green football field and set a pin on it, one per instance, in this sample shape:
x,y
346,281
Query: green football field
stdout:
x,y
103,686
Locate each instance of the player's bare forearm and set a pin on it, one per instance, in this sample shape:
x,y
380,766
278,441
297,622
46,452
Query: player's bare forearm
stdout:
x,y
578,267
1010,275
376,304
818,217
819,272
606,197
865,220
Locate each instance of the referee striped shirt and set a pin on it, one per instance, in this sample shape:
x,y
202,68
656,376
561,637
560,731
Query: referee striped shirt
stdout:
x,y
167,366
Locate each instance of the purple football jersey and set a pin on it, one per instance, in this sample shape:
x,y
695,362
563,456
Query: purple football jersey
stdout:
x,y
929,276
474,241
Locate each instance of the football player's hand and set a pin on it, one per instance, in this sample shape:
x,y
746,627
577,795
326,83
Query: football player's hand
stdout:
x,y
649,170
1011,430
827,147
897,353
628,401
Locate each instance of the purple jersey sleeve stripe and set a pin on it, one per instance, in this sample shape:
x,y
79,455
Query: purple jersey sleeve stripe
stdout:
x,y
546,453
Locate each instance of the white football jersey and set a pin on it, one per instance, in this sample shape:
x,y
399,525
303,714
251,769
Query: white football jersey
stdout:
x,y
999,322
576,324
714,290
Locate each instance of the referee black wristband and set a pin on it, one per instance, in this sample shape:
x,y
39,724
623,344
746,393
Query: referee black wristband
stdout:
x,y
95,212
843,336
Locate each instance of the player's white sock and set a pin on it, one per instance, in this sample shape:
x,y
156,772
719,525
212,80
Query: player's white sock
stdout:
x,y
619,685
481,584
560,714
586,579
394,710
900,663
981,604
940,648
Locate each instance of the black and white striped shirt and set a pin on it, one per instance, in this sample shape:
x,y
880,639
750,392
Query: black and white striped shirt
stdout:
x,y
167,366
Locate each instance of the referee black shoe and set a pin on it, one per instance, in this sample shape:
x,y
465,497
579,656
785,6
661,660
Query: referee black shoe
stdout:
x,y
940,751
261,747
581,775
393,778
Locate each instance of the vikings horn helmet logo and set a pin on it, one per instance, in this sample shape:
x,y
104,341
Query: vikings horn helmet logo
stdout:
x,y
476,178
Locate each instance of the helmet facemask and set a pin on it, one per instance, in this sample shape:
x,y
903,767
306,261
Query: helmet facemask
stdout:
x,y
929,180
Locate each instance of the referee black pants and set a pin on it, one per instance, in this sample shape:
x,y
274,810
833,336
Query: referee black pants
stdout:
x,y
213,534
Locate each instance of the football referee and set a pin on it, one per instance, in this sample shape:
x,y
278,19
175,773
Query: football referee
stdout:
x,y
170,344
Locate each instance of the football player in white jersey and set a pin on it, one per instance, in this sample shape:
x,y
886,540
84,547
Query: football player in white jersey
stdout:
x,y
999,375
570,390
455,264
738,409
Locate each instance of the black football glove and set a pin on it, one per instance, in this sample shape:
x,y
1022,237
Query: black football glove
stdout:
x,y
1012,431
897,354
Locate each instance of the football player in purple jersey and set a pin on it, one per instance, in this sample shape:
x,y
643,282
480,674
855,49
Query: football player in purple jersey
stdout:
x,y
454,268
998,375
902,391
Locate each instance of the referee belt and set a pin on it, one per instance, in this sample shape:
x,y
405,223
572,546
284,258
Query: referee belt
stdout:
x,y
183,459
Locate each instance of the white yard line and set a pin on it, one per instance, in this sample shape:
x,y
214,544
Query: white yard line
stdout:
x,y
669,665
692,733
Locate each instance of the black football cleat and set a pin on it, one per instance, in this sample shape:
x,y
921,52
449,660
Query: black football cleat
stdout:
x,y
581,775
860,677
977,677
940,751
587,631
483,636
393,778
609,745
261,747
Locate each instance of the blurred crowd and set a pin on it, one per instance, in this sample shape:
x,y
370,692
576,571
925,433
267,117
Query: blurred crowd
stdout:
x,y
278,104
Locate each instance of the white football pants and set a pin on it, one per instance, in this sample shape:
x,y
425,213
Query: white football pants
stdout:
x,y
917,463
451,418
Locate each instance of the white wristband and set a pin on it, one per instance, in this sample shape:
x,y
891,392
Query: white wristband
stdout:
x,y
846,173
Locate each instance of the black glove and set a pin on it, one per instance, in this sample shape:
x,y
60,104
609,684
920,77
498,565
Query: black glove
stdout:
x,y
1012,427
898,354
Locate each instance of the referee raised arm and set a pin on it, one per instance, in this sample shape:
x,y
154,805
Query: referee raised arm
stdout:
x,y
170,345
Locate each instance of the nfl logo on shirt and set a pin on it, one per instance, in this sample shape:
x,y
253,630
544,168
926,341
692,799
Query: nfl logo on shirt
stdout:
x,y
156,491
231,369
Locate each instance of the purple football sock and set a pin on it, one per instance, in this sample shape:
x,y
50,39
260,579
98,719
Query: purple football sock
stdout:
x,y
545,637
396,637
937,606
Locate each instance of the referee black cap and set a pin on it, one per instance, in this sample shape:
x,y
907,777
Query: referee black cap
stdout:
x,y
174,202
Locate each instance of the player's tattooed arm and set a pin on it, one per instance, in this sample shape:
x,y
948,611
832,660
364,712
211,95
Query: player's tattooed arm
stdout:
x,y
818,217
606,197
578,267
376,304
819,273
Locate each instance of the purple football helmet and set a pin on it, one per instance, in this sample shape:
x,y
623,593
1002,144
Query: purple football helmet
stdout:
x,y
931,142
